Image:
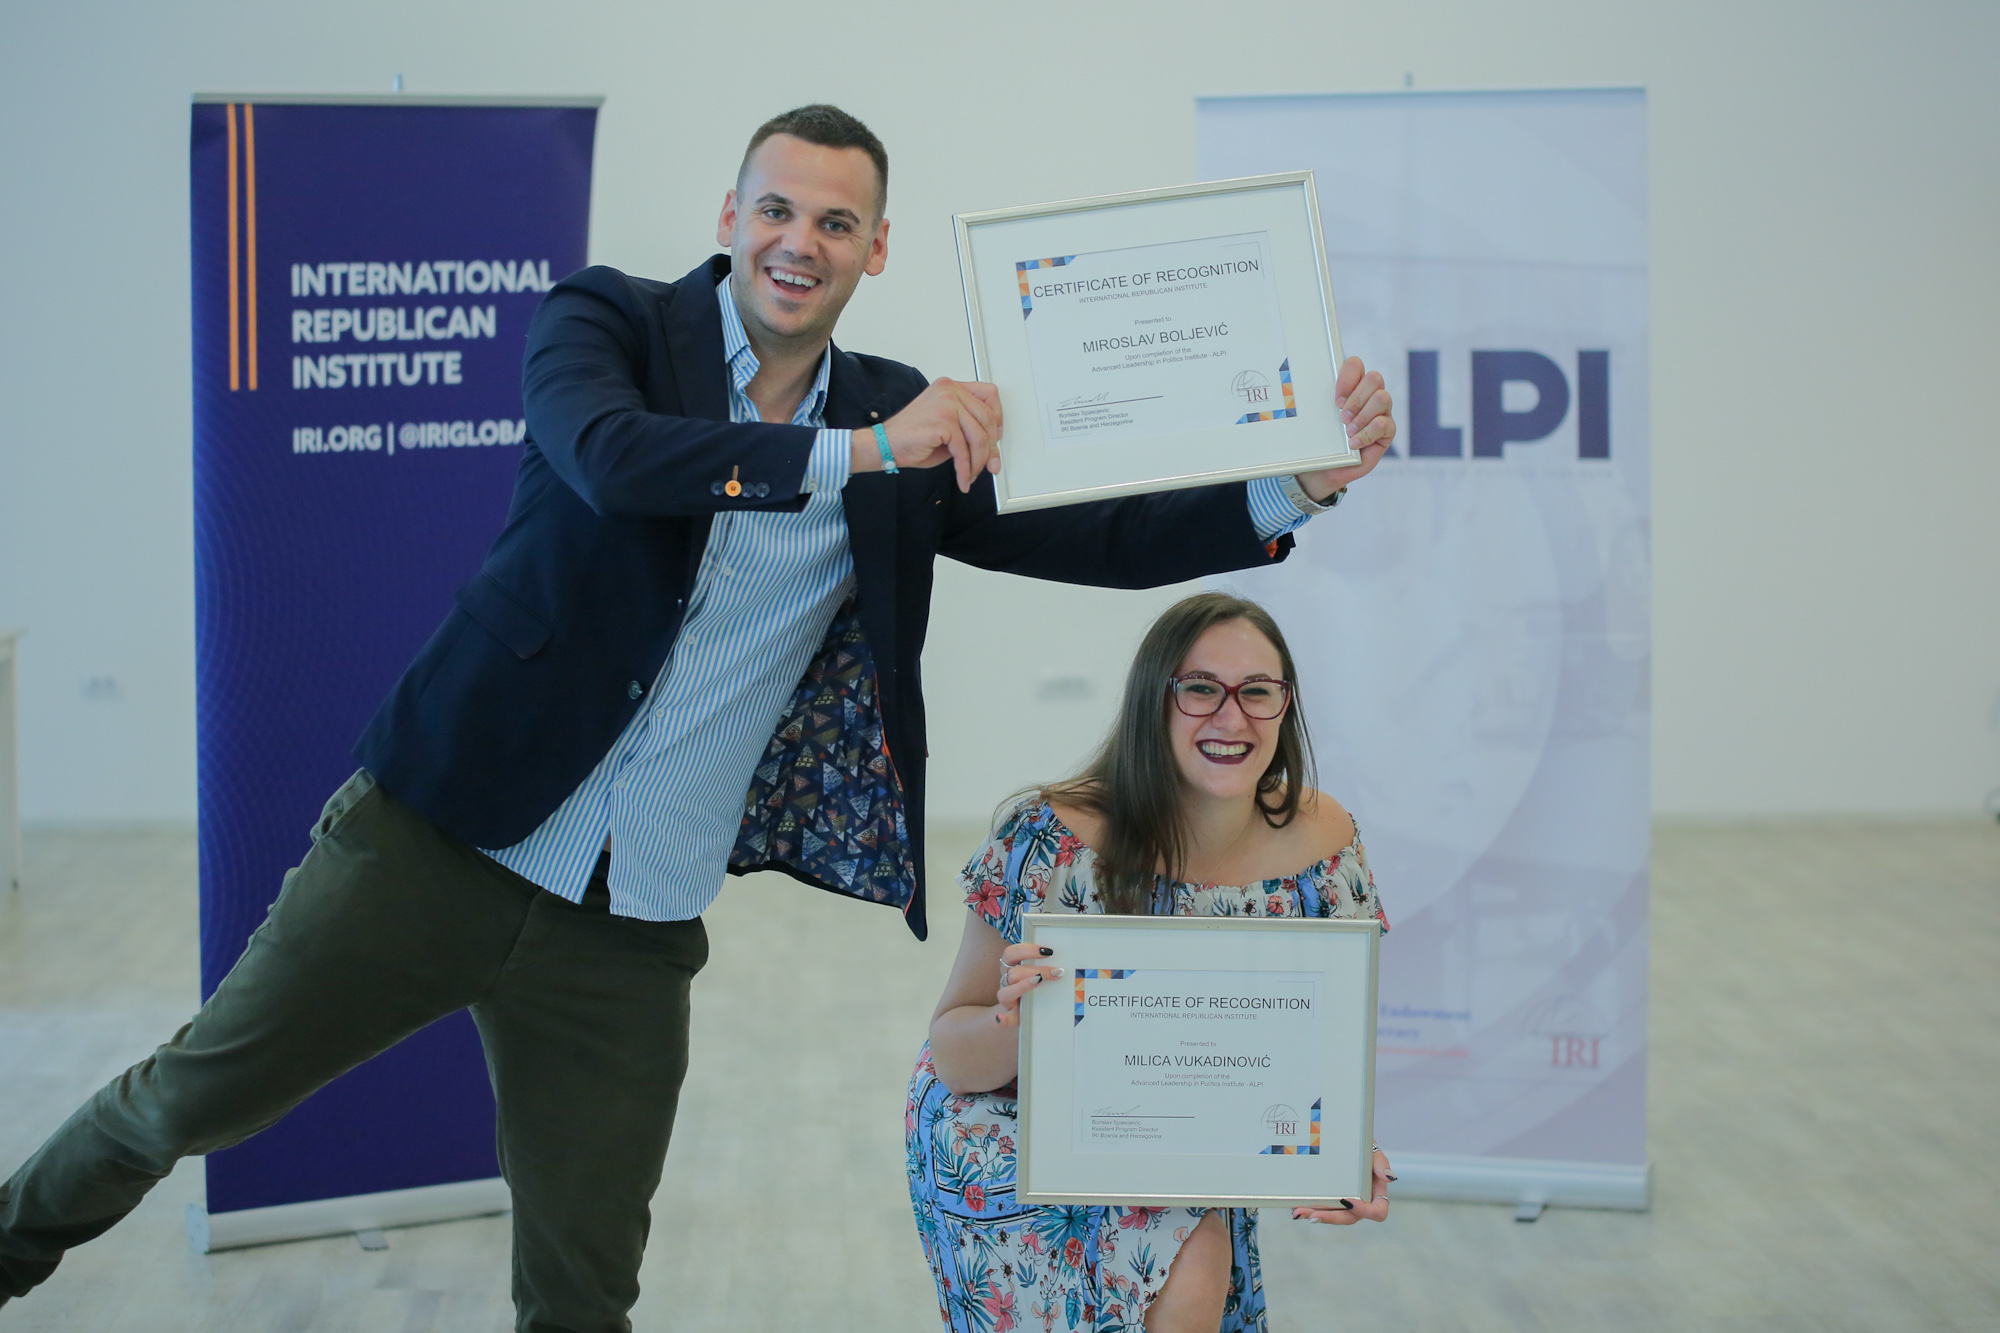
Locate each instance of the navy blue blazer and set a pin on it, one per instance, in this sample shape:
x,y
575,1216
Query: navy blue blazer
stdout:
x,y
551,646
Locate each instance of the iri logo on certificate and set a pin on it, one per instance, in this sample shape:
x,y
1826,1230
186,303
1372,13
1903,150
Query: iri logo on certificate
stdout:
x,y
1283,1122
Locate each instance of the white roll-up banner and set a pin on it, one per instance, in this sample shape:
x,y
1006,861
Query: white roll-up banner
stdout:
x,y
1472,624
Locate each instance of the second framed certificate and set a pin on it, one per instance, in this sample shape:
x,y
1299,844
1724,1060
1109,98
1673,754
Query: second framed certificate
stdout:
x,y
1226,1062
1157,339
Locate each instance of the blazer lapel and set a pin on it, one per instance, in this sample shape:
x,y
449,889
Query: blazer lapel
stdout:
x,y
694,336
693,324
869,499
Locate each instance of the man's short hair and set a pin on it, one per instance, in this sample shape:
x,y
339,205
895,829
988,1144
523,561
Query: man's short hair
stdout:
x,y
828,127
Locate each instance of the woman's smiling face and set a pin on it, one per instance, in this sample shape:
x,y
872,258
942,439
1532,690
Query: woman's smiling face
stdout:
x,y
1224,754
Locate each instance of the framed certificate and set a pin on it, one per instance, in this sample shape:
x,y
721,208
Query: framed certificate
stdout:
x,y
1218,1061
1158,339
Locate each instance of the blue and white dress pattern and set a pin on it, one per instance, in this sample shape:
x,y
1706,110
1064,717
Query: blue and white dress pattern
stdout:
x,y
1001,1266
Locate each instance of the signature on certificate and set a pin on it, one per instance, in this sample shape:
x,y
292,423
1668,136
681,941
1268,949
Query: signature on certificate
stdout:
x,y
1084,399
1114,1111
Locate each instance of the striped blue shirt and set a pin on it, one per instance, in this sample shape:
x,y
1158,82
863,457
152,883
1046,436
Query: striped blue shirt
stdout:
x,y
669,794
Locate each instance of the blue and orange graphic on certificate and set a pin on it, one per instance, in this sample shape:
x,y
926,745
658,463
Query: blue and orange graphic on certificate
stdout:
x,y
1156,339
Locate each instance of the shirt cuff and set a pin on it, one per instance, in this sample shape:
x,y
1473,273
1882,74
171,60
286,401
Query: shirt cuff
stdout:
x,y
1272,512
831,460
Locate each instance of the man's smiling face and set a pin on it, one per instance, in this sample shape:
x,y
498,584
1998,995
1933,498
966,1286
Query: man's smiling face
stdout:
x,y
801,227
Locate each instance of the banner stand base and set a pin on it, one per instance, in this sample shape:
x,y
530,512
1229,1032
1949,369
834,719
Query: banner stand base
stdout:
x,y
1456,1178
208,1232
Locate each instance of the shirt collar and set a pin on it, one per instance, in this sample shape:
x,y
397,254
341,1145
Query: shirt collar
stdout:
x,y
742,360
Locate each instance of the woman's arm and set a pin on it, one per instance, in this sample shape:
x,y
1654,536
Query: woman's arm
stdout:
x,y
973,1043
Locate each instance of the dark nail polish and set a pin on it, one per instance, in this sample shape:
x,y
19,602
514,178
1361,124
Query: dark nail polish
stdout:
x,y
1388,1177
1047,951
1348,1204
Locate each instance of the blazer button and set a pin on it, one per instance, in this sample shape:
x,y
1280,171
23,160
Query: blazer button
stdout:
x,y
634,690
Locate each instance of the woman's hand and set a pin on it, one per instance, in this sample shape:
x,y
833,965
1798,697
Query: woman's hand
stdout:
x,y
975,1037
1355,1210
1022,968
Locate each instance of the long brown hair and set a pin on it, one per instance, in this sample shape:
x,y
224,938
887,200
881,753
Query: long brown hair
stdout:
x,y
1134,785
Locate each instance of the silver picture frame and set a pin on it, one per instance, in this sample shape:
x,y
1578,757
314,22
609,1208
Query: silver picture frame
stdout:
x,y
1344,951
995,250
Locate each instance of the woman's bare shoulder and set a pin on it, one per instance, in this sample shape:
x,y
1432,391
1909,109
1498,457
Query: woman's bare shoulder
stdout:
x,y
1328,826
1082,821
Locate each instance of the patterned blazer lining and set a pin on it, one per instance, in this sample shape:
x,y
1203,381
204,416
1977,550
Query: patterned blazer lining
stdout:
x,y
825,801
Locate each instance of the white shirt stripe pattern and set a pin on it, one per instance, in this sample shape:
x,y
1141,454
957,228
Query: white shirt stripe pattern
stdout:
x,y
669,794
1272,511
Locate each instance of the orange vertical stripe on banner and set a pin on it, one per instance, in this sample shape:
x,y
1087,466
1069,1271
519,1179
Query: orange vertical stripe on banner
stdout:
x,y
229,112
250,231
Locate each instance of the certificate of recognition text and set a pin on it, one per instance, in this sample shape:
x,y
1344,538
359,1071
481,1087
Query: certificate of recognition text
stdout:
x,y
1221,1062
1157,339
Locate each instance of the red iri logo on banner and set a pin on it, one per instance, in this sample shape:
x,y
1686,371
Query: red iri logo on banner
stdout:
x,y
1570,1052
1574,1028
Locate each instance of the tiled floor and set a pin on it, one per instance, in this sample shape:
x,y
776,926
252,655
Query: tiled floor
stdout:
x,y
1825,1118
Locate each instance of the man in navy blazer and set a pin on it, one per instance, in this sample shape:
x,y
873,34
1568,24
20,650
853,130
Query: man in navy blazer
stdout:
x,y
694,647
526,685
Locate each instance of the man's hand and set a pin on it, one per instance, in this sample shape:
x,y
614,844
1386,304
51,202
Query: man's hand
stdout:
x,y
1365,409
957,420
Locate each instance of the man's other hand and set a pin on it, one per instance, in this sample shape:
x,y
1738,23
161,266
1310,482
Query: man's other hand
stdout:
x,y
1365,409
957,420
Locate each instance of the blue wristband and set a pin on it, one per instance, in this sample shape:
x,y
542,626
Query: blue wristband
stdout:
x,y
882,443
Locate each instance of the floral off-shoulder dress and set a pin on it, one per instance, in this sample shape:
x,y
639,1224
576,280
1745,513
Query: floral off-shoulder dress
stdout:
x,y
1002,1266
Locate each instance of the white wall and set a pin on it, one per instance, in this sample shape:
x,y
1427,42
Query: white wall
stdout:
x,y
1826,197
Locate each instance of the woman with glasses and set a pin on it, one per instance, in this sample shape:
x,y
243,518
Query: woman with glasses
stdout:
x,y
1198,804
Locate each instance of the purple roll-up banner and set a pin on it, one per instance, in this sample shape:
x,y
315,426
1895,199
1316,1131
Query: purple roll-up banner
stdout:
x,y
363,270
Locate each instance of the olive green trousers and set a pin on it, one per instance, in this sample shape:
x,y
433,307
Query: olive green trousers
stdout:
x,y
388,925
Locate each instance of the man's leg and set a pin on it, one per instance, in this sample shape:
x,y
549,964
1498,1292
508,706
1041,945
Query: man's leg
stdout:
x,y
387,925
586,1039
